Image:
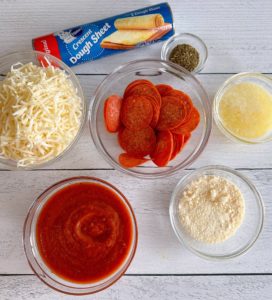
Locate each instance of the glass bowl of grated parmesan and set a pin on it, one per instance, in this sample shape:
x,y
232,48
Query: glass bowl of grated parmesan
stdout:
x,y
216,212
42,109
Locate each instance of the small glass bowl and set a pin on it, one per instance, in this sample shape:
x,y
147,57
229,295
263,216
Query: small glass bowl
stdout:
x,y
44,60
157,71
247,233
257,78
190,39
35,260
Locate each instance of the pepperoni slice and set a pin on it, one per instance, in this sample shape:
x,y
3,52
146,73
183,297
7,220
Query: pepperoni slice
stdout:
x,y
190,124
138,143
144,89
164,148
129,161
178,143
180,140
186,100
112,108
156,111
172,113
136,82
164,89
137,112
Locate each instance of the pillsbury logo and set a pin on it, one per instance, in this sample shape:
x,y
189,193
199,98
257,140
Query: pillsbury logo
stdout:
x,y
69,36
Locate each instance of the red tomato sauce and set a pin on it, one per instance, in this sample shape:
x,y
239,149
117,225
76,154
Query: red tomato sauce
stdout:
x,y
84,232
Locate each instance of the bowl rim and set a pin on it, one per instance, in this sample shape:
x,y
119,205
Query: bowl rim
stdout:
x,y
207,108
257,197
76,84
180,36
218,96
26,236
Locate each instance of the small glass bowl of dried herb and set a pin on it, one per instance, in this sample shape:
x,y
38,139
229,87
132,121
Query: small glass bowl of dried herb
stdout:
x,y
187,50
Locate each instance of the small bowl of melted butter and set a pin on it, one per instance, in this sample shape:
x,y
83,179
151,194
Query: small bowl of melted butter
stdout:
x,y
242,108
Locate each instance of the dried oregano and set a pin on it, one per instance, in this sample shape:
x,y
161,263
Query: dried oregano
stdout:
x,y
186,56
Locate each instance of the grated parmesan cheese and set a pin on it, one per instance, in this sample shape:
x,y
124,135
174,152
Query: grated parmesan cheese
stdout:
x,y
211,209
40,114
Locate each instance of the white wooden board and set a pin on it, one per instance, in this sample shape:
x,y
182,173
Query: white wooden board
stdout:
x,y
151,287
239,38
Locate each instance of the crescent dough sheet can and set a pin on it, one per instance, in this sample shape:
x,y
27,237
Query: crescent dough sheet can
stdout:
x,y
109,36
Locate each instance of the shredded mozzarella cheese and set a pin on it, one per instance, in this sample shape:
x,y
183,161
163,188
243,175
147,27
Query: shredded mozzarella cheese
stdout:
x,y
40,114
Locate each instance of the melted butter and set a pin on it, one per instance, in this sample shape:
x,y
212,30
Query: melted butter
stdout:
x,y
246,110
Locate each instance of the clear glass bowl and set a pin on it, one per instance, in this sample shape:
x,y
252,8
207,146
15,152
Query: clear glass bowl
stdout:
x,y
41,59
247,233
257,78
190,39
157,71
35,260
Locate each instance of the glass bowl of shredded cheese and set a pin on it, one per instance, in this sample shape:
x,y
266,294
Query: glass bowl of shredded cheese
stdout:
x,y
216,212
42,109
242,108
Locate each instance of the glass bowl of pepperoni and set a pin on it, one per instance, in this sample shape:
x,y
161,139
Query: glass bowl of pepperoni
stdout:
x,y
150,118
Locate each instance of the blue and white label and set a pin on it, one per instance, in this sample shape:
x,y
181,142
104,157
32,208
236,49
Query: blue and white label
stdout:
x,y
85,43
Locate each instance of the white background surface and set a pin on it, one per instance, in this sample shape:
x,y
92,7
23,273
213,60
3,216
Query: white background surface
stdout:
x,y
239,38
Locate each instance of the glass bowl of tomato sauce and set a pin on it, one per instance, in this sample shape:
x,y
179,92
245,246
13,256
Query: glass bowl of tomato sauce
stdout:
x,y
80,235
